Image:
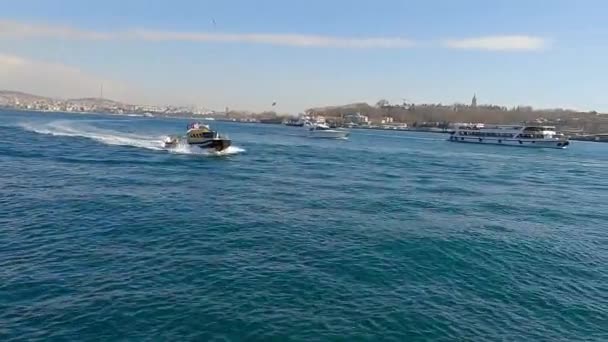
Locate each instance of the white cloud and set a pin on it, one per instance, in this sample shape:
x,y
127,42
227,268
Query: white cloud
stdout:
x,y
498,43
56,80
298,40
18,30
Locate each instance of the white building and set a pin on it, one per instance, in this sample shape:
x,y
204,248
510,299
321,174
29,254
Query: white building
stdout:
x,y
356,118
387,120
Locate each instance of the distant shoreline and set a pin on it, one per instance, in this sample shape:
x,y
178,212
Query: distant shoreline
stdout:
x,y
588,138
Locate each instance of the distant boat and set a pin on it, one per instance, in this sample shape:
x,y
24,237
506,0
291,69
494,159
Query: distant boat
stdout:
x,y
321,130
510,135
294,123
272,121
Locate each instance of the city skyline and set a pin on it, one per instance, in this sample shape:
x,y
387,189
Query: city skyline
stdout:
x,y
245,56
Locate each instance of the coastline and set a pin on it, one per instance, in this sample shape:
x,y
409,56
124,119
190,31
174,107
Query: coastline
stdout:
x,y
586,137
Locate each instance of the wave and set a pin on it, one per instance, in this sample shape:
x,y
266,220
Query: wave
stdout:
x,y
111,137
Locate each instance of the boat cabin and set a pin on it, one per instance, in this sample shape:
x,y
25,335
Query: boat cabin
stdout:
x,y
198,132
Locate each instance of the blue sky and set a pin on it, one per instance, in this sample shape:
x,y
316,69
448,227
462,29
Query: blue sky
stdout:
x,y
308,53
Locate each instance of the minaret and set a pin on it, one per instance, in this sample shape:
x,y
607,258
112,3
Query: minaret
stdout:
x,y
474,101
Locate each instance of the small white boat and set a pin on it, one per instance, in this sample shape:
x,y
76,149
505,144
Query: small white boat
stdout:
x,y
320,130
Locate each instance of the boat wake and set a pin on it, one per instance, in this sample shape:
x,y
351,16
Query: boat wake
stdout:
x,y
185,148
111,137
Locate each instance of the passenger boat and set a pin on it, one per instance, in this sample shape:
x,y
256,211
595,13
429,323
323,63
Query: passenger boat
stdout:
x,y
513,135
199,135
294,123
320,130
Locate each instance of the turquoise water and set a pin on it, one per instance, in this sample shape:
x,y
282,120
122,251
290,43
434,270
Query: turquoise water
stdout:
x,y
387,236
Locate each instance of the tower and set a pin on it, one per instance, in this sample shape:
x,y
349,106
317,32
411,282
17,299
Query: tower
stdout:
x,y
474,101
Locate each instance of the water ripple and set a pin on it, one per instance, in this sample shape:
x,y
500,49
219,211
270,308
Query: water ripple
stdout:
x,y
387,236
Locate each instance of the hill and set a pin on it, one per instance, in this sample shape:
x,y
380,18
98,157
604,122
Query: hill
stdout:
x,y
437,115
97,102
10,97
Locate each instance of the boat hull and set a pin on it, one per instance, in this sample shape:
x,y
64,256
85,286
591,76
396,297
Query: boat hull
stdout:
x,y
558,144
210,144
328,134
213,144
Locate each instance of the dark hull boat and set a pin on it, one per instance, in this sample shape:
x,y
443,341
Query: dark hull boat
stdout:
x,y
201,136
218,144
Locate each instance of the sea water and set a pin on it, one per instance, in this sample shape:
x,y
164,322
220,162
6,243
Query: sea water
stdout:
x,y
105,235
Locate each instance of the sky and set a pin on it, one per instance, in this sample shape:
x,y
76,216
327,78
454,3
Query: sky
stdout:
x,y
308,53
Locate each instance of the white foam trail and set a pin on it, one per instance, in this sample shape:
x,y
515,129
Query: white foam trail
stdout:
x,y
184,148
110,137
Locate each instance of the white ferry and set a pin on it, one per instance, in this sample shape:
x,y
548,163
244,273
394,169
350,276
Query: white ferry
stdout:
x,y
513,135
